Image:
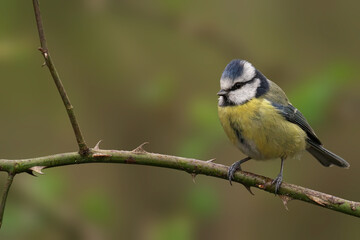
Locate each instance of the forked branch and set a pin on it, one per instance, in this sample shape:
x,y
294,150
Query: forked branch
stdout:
x,y
83,149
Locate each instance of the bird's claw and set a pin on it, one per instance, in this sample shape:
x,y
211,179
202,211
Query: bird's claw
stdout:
x,y
232,169
277,181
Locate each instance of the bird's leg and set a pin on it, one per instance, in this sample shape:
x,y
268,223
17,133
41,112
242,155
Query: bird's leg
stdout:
x,y
277,181
235,167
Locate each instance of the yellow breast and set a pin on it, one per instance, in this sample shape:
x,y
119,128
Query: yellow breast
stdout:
x,y
260,132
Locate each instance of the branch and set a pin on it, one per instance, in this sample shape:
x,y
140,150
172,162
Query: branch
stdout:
x,y
7,186
139,156
83,149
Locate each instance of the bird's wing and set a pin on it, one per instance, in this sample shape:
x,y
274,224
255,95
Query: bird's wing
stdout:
x,y
290,113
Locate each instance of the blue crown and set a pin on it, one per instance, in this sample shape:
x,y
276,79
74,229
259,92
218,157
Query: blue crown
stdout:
x,y
234,69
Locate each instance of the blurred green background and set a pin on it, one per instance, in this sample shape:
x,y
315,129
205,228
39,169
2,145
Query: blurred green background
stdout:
x,y
141,71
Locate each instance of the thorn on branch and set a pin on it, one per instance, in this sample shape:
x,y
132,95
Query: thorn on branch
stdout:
x,y
99,154
285,199
97,145
140,148
193,175
249,189
36,169
211,160
44,52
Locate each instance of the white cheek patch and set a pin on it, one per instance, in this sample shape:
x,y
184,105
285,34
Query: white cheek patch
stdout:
x,y
244,94
248,72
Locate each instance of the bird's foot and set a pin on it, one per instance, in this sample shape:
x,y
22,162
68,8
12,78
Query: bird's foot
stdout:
x,y
277,181
236,166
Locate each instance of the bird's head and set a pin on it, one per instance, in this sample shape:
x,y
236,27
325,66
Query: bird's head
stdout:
x,y
240,82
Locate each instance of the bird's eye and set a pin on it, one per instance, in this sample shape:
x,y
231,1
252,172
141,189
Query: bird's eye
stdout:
x,y
238,85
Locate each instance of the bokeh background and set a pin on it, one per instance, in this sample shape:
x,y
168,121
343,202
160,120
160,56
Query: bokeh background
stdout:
x,y
141,71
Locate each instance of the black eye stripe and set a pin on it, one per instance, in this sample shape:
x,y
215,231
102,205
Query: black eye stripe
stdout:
x,y
239,85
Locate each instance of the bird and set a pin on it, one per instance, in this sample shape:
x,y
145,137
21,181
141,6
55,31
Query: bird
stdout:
x,y
260,121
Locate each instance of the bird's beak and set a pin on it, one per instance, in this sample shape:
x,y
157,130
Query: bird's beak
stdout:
x,y
222,92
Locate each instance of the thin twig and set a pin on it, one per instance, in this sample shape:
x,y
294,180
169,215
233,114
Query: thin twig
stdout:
x,y
194,167
7,186
83,149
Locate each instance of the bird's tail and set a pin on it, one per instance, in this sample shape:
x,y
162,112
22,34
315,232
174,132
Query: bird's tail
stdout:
x,y
325,157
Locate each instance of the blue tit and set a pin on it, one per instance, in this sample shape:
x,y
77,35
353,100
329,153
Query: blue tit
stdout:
x,y
259,120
